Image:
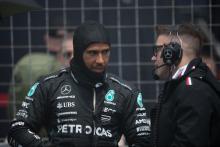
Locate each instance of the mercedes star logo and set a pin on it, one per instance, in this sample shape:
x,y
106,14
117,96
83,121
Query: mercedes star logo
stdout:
x,y
65,89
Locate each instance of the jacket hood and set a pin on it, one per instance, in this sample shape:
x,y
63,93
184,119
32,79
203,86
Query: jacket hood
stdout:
x,y
86,34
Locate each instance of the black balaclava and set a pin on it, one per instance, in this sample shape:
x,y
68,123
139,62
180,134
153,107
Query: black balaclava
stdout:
x,y
87,33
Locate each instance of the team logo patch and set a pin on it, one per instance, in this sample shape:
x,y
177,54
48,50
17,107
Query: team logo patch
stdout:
x,y
32,90
65,89
110,95
139,100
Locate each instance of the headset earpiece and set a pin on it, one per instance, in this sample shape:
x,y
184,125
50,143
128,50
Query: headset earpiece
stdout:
x,y
172,53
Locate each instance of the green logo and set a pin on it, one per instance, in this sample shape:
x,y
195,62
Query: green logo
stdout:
x,y
110,95
32,90
139,100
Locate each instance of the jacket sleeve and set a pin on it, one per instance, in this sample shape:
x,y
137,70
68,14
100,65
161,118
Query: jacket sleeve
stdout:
x,y
136,122
28,120
193,115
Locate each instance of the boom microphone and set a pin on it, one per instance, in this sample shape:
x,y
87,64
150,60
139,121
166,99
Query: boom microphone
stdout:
x,y
155,76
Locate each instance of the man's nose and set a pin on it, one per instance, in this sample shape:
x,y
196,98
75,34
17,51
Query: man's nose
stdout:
x,y
100,58
153,58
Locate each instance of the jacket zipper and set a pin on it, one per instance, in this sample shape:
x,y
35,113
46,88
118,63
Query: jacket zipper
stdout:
x,y
94,123
94,101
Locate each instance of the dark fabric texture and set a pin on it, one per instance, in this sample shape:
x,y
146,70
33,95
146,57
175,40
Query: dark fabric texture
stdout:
x,y
188,114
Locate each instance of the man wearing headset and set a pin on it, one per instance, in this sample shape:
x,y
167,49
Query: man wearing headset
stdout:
x,y
188,108
82,106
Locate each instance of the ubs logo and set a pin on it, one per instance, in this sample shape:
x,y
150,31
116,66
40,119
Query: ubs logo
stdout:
x,y
65,89
66,105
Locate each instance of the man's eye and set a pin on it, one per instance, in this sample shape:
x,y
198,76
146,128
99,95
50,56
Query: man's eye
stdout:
x,y
157,49
106,52
93,53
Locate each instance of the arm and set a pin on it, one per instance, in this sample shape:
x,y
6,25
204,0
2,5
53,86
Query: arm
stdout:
x,y
136,124
192,115
28,120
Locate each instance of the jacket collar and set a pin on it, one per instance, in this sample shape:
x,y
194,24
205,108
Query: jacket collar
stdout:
x,y
180,72
81,79
187,69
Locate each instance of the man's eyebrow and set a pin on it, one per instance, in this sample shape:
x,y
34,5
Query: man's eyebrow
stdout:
x,y
95,49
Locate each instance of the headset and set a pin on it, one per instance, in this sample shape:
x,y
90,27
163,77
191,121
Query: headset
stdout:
x,y
172,52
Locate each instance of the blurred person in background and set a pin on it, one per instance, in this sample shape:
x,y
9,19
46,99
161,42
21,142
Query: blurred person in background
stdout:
x,y
210,61
59,39
33,65
82,105
208,51
27,70
59,43
65,54
188,112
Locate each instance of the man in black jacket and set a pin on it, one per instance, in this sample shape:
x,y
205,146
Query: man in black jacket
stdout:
x,y
82,105
188,111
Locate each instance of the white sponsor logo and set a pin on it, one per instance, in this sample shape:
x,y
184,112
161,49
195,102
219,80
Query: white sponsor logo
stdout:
x,y
102,132
65,105
65,97
22,113
67,113
25,104
111,103
140,109
141,114
141,121
65,89
88,130
70,128
19,123
79,129
143,134
29,98
106,109
142,128
66,120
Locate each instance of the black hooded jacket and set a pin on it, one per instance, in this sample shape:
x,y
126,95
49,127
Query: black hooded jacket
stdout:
x,y
188,112
78,115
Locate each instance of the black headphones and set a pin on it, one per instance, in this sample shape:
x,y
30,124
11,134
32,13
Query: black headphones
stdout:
x,y
172,53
